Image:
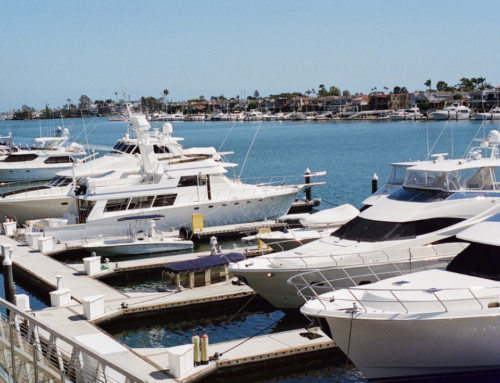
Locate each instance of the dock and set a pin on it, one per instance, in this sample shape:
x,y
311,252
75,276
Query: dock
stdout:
x,y
70,323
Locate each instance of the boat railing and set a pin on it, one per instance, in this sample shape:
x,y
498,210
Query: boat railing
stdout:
x,y
369,258
18,188
33,350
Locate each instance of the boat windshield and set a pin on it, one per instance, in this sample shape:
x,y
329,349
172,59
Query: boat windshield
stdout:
x,y
398,173
59,182
463,179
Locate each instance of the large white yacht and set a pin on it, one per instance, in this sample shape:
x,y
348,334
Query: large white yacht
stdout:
x,y
46,157
439,199
54,198
439,325
455,111
172,191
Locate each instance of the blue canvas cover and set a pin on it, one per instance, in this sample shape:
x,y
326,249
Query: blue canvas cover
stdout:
x,y
204,263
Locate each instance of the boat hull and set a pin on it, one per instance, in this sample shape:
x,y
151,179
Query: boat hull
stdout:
x,y
31,209
420,347
137,249
272,284
30,174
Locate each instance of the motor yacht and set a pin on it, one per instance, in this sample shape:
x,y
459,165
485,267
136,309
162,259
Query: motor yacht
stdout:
x,y
455,111
30,202
493,114
42,161
438,325
176,190
412,113
439,199
176,117
254,115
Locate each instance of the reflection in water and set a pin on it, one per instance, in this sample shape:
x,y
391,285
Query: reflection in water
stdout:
x,y
219,328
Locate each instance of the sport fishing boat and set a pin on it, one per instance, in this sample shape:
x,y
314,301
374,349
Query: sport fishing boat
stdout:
x,y
42,161
432,326
138,241
439,199
455,111
54,198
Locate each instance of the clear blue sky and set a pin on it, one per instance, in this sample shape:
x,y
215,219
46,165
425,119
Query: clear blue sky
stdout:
x,y
54,50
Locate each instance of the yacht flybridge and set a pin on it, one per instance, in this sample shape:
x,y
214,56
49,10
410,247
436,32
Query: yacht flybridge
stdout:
x,y
55,197
430,325
439,199
47,156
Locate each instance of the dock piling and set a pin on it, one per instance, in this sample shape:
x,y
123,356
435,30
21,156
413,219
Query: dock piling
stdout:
x,y
10,289
374,183
307,177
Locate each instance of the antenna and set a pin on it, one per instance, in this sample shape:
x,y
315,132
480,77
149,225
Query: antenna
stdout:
x,y
250,148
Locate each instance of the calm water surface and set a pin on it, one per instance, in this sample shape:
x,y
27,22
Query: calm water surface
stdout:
x,y
350,152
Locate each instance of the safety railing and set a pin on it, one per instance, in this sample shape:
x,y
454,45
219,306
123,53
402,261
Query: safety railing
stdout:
x,y
338,260
32,351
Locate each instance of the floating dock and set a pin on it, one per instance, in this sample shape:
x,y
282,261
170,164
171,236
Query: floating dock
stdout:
x,y
71,321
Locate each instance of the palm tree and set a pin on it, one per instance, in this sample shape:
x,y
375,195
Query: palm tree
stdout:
x,y
428,83
69,103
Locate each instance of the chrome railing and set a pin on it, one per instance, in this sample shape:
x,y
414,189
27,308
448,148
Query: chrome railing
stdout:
x,y
33,351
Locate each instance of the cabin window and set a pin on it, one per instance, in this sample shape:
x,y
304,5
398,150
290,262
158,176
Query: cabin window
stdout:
x,y
398,174
478,260
141,202
59,182
160,149
164,200
116,204
191,181
20,158
365,230
59,160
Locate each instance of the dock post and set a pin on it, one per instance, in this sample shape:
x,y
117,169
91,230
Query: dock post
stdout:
x,y
374,183
307,177
10,289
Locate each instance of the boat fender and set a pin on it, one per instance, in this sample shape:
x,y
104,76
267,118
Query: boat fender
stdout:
x,y
196,349
204,348
186,233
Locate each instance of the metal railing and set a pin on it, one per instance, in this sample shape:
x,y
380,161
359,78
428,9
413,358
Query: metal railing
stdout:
x,y
337,260
32,351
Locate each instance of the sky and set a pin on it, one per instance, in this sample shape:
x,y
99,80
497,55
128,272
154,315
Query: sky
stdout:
x,y
51,51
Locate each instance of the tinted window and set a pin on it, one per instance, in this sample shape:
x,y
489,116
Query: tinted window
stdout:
x,y
365,230
116,204
59,160
478,260
418,195
164,200
20,157
190,181
160,149
141,202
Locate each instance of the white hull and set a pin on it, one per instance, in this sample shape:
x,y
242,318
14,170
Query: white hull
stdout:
x,y
419,346
137,248
215,214
30,174
24,210
272,284
451,116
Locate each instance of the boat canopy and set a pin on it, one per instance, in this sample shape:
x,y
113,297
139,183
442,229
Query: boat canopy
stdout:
x,y
204,263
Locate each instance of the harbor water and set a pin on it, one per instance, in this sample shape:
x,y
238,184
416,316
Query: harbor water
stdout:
x,y
350,152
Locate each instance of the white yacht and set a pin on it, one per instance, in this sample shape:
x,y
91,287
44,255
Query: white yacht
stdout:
x,y
254,115
316,226
412,113
493,114
178,116
455,111
42,161
55,197
439,199
176,190
428,326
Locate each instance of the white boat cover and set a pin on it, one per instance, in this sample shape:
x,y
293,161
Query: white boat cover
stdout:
x,y
331,217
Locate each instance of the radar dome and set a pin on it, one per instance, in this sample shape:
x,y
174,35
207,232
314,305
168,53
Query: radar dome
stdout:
x,y
167,128
494,136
